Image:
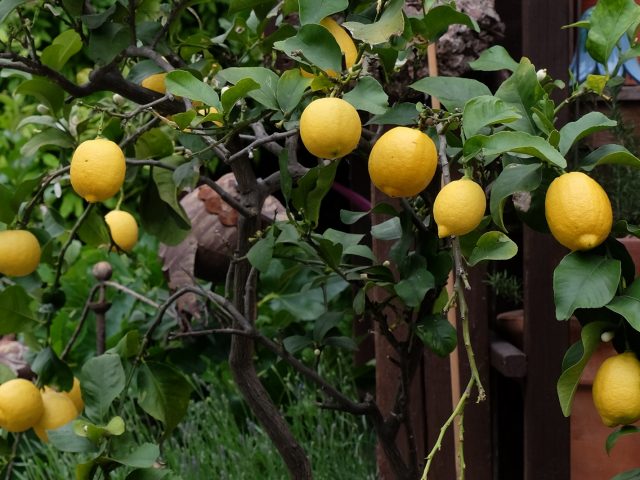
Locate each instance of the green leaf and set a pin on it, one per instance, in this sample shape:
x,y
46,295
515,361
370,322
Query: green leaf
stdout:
x,y
312,11
154,144
96,20
94,231
494,59
486,110
523,91
16,314
437,21
184,84
46,138
513,178
493,246
238,91
291,88
613,438
515,142
7,6
572,368
63,47
416,282
584,280
261,253
296,343
304,305
236,6
324,324
107,42
344,343
102,379
51,370
268,81
628,475
313,45
391,23
184,119
164,393
368,95
586,125
609,155
45,91
64,439
399,114
160,213
388,230
437,334
453,92
628,304
597,83
95,433
610,20
312,188
128,346
143,456
149,474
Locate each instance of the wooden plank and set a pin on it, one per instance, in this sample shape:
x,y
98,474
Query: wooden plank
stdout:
x,y
507,359
478,443
546,431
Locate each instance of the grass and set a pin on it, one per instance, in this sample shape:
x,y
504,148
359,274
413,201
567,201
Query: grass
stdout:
x,y
219,440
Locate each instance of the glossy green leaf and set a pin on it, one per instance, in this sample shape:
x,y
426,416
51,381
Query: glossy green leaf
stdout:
x,y
102,379
312,11
416,282
388,230
51,370
344,343
164,393
268,81
437,21
128,346
96,20
633,474
573,368
107,42
63,47
150,474
312,188
314,45
48,93
368,95
296,343
515,142
64,439
584,280
586,125
7,6
261,253
184,84
609,21
291,88
493,246
485,110
95,433
513,178
609,155
16,314
399,114
494,59
437,334
143,456
391,23
51,137
628,304
522,90
236,92
93,230
453,92
623,431
324,324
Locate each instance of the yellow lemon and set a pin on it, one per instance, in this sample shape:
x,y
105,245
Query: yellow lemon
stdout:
x,y
20,405
616,390
402,162
97,171
123,228
58,411
459,207
155,82
347,47
330,128
578,211
19,253
75,394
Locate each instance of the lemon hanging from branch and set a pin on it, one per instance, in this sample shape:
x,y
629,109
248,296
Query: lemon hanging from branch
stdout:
x,y
459,207
19,253
123,228
97,171
616,390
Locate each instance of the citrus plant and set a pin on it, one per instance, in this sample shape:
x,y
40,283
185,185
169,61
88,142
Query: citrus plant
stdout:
x,y
128,110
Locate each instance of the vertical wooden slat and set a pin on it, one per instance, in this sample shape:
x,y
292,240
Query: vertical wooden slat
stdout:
x,y
477,416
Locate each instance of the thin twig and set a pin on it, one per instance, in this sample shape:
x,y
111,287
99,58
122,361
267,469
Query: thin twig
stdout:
x,y
274,137
212,331
45,183
80,324
131,293
12,457
72,234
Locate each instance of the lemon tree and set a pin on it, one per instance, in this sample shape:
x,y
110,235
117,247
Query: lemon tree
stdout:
x,y
168,201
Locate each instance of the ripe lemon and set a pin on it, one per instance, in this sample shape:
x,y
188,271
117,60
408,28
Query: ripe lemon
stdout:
x,y
330,128
459,207
123,228
347,47
20,405
155,82
58,411
19,253
402,162
578,211
616,390
97,169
